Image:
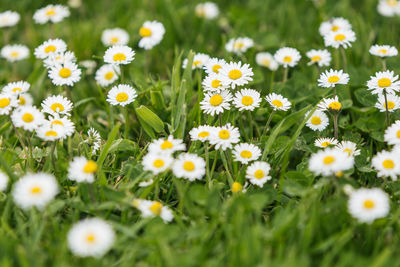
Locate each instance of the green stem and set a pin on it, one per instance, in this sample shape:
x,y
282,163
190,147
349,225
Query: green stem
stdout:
x,y
386,108
285,75
225,162
268,122
52,155
384,64
271,82
335,125
126,123
344,59
208,176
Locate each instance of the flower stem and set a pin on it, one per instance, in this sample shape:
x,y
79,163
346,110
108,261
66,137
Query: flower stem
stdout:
x,y
126,123
384,64
208,176
335,125
52,155
386,108
344,59
285,75
271,81
268,122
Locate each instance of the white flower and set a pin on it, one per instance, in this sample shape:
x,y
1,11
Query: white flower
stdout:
x,y
392,134
247,99
214,83
156,163
115,36
393,103
236,74
25,100
61,58
189,166
82,170
14,53
278,102
334,25
330,104
119,54
107,74
150,209
16,88
213,65
207,10
267,60
244,153
325,142
57,104
340,38
257,173
366,204
383,51
239,45
152,32
27,117
49,47
166,146
9,18
67,125
90,238
35,190
51,13
216,103
199,61
122,94
47,132
201,133
320,57
387,164
93,139
318,121
66,74
7,102
223,137
330,78
389,8
348,147
3,181
329,162
89,65
287,56
384,80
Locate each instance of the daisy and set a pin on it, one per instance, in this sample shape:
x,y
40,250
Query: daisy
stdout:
x,y
150,209
392,134
330,104
47,132
239,45
348,147
9,18
320,57
287,57
236,187
115,36
340,38
257,173
393,103
57,104
267,60
389,8
119,54
27,117
66,74
107,74
325,142
49,47
166,146
51,13
67,125
244,153
189,166
329,162
216,103
199,61
25,100
16,88
35,190
93,139
156,163
214,83
82,170
334,25
207,10
223,137
383,51
213,65
90,238
318,121
387,164
59,59
384,81
7,102
14,53
201,133
247,99
367,205
278,102
152,32
89,65
236,74
122,94
3,181
330,78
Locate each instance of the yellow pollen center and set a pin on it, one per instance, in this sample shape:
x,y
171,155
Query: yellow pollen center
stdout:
x,y
145,32
65,73
156,208
335,28
216,100
348,150
14,54
382,51
22,101
27,117
119,57
197,62
245,154
51,133
90,167
247,100
266,62
398,134
158,163
216,83
329,160
50,48
325,144
234,74
216,68
36,190
333,79
203,134
57,122
388,164
315,58
91,238
114,40
391,105
16,89
316,120
239,45
50,12
122,97
167,145
335,106
277,103
384,82
369,204
4,102
188,166
109,75
340,37
259,174
224,134
57,107
236,187
392,3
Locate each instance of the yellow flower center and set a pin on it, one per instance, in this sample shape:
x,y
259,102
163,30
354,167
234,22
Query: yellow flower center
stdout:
x,y
109,75
348,150
50,12
316,120
156,208
216,68
16,89
203,134
90,167
4,102
247,100
335,28
122,97
36,190
91,238
315,58
65,73
236,187
369,204
216,100
384,82
114,40
382,51
234,74
287,59
392,2
158,163
188,166
266,62
22,101
216,83
119,57
333,79
27,117
224,134
329,160
335,105
238,45
259,174
388,164
57,107
197,62
57,122
50,48
277,103
391,105
340,37
51,133
167,145
14,54
325,144
145,32
398,134
245,154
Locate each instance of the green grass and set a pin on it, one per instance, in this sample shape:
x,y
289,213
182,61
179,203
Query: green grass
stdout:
x,y
296,219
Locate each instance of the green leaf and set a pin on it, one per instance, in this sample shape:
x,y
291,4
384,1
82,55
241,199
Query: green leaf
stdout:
x,y
151,119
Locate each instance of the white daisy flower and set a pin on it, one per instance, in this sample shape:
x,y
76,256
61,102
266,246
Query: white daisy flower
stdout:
x,y
115,36
93,139
49,47
157,163
7,102
348,147
64,122
330,78
35,190
383,51
57,104
384,80
389,8
247,99
318,121
90,238
329,162
367,205
244,153
330,104
340,38
119,55
216,103
189,166
199,61
107,74
47,132
3,181
9,18
16,88
152,32
257,173
239,45
287,56
325,142
24,100
66,74
278,102
150,209
214,83
122,94
89,65
207,10
82,170
393,103
213,65
166,146
392,134
201,133
14,53
59,59
334,25
236,74
27,117
51,13
320,57
223,137
267,60
387,164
